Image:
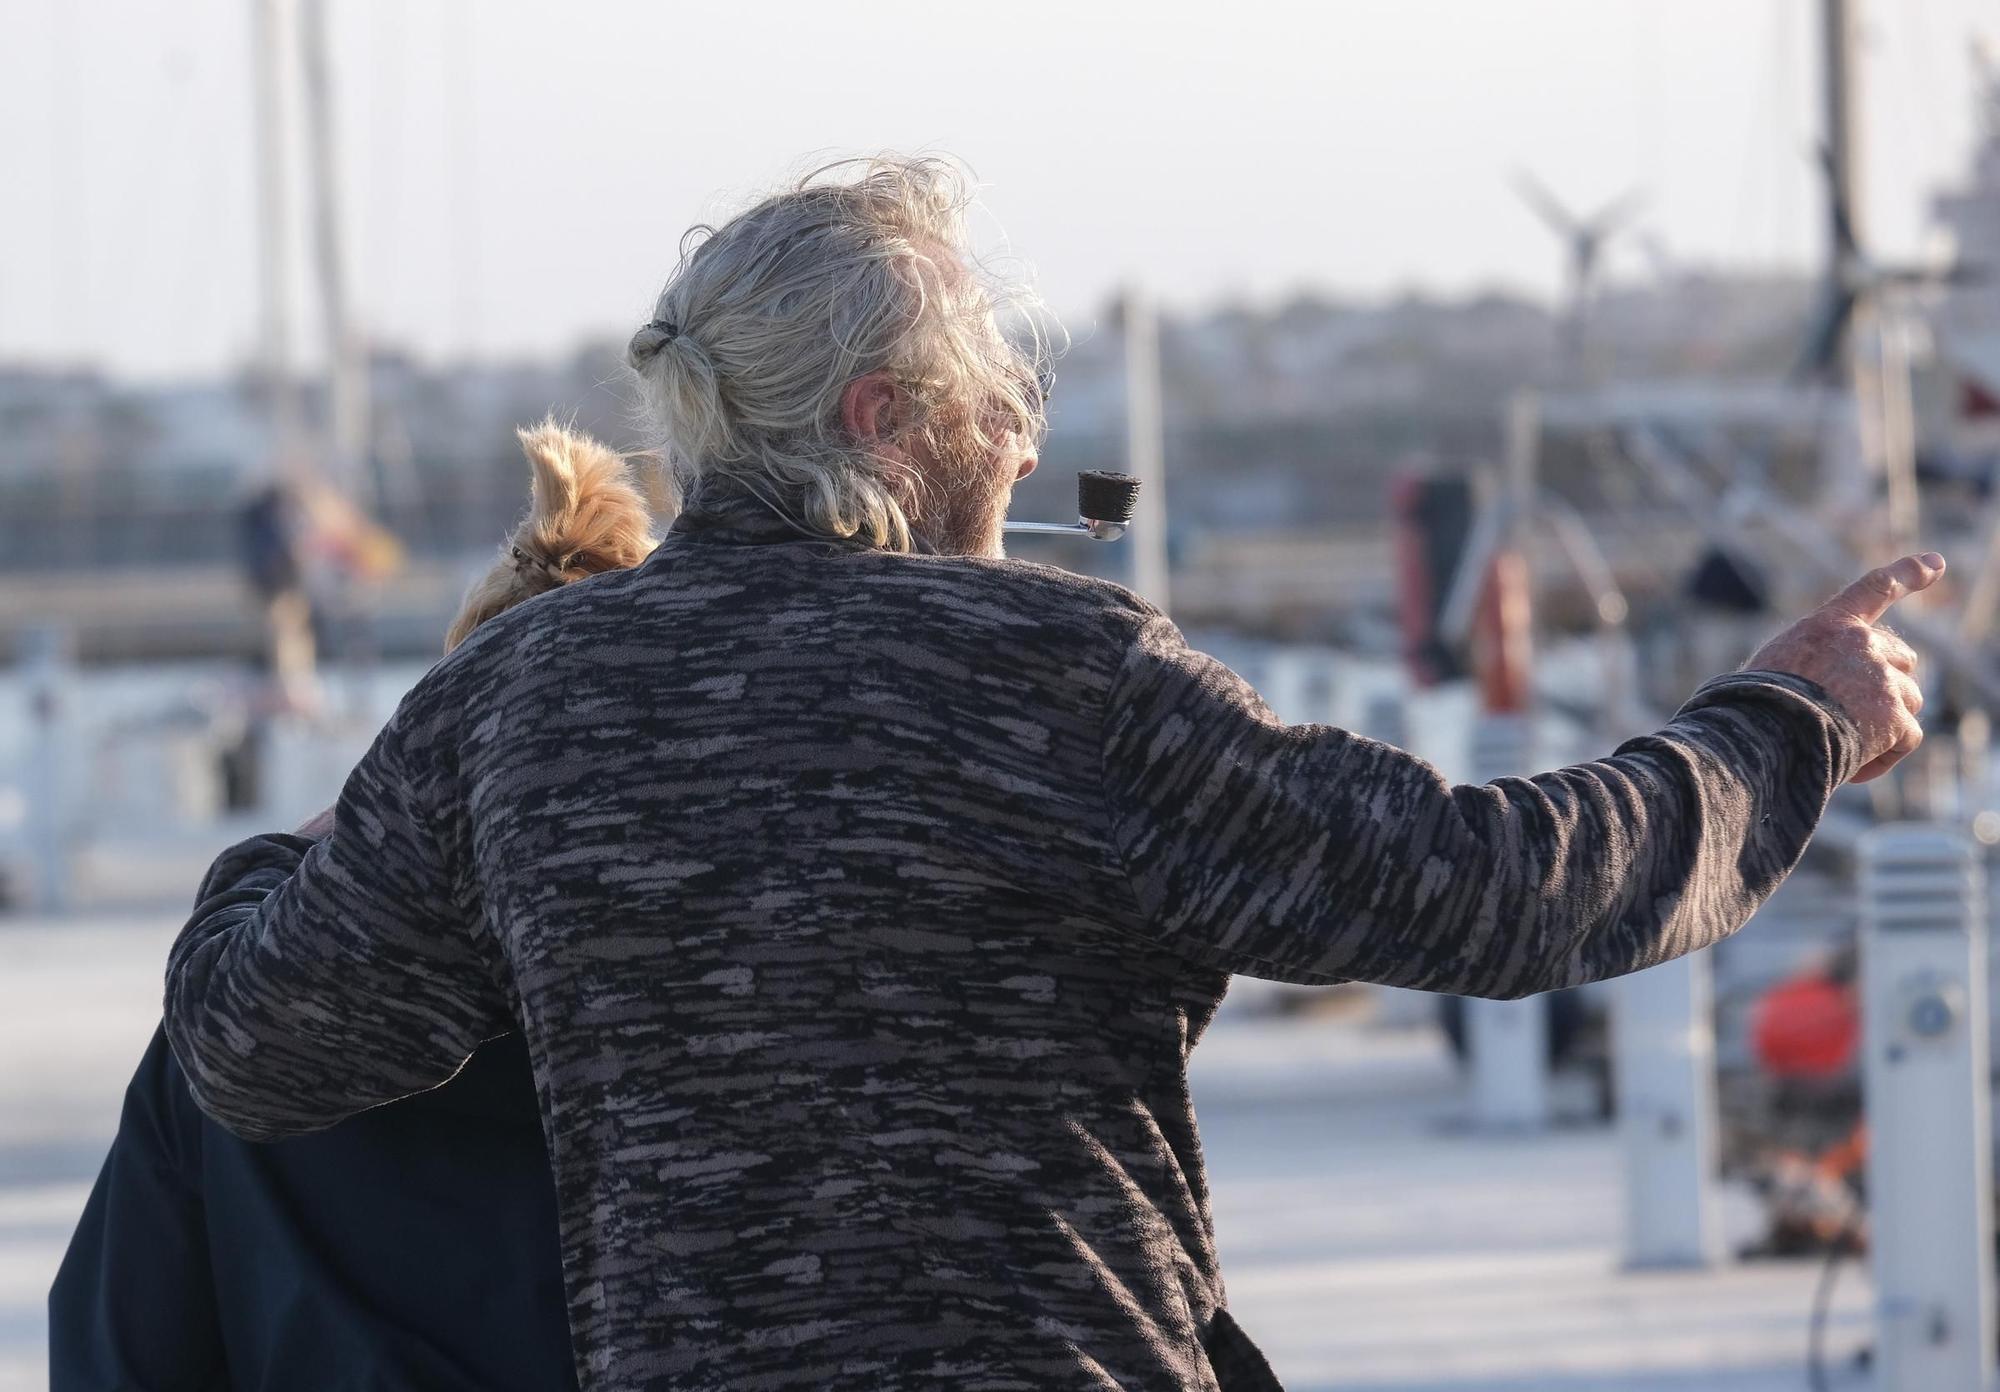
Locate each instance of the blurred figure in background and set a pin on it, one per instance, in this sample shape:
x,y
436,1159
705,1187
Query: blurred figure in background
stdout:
x,y
413,1246
271,533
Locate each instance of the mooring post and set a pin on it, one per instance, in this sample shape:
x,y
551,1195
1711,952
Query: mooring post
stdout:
x,y
1507,1042
1925,1075
1663,1052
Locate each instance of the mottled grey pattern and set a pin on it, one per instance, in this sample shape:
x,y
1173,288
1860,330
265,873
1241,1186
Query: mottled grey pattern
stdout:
x,y
861,910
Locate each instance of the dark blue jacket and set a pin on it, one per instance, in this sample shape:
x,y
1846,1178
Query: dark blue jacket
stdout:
x,y
411,1247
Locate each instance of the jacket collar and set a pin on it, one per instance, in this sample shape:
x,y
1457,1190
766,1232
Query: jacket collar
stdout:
x,y
720,514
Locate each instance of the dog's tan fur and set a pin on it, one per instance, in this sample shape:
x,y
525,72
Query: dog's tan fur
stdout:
x,y
587,516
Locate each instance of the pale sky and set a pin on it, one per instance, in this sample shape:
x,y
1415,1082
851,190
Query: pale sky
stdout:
x,y
517,174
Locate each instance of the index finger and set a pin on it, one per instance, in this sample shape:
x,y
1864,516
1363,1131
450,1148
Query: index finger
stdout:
x,y
1869,598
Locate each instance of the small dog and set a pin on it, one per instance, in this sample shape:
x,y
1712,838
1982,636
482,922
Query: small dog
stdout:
x,y
587,516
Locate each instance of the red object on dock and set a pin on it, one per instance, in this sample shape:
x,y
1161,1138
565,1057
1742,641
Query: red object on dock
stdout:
x,y
1808,1027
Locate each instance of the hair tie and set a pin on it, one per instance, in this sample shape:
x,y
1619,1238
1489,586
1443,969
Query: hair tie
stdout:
x,y
651,338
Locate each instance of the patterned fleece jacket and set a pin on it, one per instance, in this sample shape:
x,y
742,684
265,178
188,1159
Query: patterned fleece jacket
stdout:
x,y
860,911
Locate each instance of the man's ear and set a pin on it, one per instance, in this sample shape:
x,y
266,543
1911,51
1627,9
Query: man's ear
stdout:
x,y
873,411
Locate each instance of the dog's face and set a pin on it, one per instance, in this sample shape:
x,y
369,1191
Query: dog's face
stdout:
x,y
587,517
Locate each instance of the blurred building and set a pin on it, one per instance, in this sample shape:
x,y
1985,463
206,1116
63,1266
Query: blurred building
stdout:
x,y
1284,426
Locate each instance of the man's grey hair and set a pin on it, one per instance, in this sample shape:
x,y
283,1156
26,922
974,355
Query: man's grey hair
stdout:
x,y
860,267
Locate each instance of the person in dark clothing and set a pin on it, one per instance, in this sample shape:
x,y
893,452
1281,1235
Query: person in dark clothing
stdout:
x,y
268,529
412,1247
861,893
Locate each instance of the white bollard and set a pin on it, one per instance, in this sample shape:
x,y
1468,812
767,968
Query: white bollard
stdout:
x,y
1925,1078
1507,1048
46,659
1507,1042
1663,1048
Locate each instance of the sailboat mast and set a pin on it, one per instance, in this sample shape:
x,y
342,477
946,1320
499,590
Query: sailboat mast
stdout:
x,y
269,31
347,429
1846,211
1853,450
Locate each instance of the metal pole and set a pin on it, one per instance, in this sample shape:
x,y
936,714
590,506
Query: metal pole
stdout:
x,y
1145,451
346,370
1663,1047
1841,88
1502,521
1853,449
270,34
1925,1075
1507,1042
1898,432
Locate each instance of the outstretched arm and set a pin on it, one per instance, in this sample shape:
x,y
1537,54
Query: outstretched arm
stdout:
x,y
1306,853
319,978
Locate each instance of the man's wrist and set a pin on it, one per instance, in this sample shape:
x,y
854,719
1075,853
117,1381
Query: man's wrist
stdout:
x,y
1847,738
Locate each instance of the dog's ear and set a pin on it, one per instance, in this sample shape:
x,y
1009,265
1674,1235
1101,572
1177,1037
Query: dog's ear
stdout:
x,y
588,514
562,464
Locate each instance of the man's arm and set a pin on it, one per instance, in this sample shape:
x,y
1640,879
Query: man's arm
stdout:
x,y
317,979
1310,854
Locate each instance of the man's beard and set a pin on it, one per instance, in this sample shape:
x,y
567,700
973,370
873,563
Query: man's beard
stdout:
x,y
965,497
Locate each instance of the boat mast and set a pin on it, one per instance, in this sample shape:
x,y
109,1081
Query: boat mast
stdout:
x,y
269,31
1845,210
347,429
1871,437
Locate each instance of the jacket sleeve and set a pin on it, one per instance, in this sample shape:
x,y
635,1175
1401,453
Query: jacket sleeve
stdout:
x,y
133,1304
316,980
1305,853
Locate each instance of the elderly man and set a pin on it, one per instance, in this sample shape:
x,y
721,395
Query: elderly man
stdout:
x,y
860,894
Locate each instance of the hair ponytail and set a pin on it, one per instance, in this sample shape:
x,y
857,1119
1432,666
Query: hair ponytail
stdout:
x,y
678,381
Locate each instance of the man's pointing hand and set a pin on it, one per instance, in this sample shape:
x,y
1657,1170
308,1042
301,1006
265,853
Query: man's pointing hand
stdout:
x,y
1868,670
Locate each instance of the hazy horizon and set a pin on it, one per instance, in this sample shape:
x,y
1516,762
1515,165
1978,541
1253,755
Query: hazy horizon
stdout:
x,y
516,178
